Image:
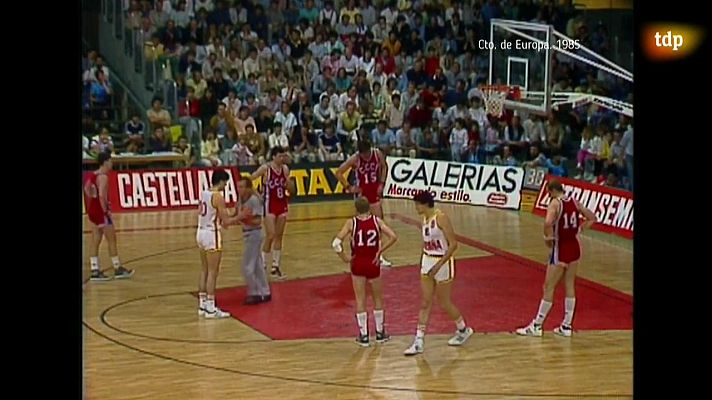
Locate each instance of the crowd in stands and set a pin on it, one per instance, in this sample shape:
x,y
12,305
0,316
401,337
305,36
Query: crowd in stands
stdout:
x,y
315,77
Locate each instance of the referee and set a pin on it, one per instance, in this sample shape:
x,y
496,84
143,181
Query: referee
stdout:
x,y
252,266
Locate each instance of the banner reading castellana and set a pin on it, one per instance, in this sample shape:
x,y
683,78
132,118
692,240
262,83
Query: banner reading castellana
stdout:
x,y
453,182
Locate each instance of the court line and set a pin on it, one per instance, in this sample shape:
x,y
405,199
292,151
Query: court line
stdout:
x,y
344,385
468,241
602,289
103,318
193,226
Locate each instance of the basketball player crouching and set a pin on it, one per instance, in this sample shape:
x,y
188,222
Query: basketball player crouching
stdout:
x,y
437,269
561,229
366,249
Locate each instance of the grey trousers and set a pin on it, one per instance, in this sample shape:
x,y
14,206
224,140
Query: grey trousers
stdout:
x,y
252,266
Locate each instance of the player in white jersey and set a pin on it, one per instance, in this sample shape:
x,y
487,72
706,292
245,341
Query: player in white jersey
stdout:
x,y
437,272
212,215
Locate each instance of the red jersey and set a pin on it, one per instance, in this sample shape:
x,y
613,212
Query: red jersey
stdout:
x,y
275,191
368,174
365,244
567,222
91,200
567,248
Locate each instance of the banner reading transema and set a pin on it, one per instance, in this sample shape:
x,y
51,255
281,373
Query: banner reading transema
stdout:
x,y
613,207
453,182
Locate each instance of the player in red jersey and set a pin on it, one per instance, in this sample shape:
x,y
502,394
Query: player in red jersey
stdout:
x,y
366,249
561,230
276,187
96,193
370,170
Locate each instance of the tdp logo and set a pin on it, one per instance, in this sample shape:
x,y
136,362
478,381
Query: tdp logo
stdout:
x,y
668,40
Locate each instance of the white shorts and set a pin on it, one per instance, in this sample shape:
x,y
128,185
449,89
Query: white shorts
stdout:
x,y
209,239
446,273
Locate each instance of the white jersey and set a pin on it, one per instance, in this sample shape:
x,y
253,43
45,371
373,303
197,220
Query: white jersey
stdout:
x,y
434,241
208,214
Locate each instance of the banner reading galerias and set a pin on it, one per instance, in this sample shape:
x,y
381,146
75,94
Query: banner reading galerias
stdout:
x,y
453,182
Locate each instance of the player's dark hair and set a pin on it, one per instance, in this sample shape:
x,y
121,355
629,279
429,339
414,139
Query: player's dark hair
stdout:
x,y
555,185
103,157
424,197
362,206
276,150
364,146
219,176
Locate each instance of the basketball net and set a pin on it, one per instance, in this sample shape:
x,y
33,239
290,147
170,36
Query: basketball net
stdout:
x,y
494,97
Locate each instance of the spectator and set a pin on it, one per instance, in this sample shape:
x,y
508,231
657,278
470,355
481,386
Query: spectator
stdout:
x,y
426,145
222,122
324,114
219,85
534,130
287,121
86,151
232,103
535,158
395,113
227,144
329,146
102,142
198,84
554,135
255,143
210,150
100,96
278,137
383,138
458,140
303,144
348,125
507,158
159,142
309,12
184,148
514,136
420,115
134,130
242,121
243,155
405,141
328,16
208,106
158,117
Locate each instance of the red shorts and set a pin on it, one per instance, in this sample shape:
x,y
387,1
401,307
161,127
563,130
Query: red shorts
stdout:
x,y
371,194
276,208
365,267
565,252
100,219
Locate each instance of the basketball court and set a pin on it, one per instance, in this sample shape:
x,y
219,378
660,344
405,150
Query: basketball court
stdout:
x,y
144,340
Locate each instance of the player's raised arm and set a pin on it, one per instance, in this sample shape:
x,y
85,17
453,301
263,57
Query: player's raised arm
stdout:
x,y
551,213
260,172
336,244
348,163
390,233
590,217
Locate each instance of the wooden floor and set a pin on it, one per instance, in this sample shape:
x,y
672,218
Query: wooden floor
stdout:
x,y
143,339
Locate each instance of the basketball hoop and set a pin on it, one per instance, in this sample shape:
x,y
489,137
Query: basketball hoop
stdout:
x,y
495,95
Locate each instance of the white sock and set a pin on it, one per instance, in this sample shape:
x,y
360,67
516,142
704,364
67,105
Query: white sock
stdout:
x,y
378,316
210,304
265,254
362,319
94,261
420,332
569,307
460,323
202,298
544,308
115,262
276,255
